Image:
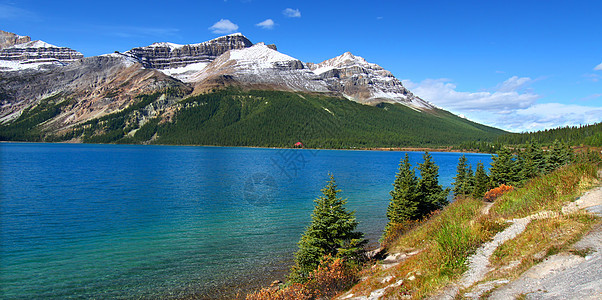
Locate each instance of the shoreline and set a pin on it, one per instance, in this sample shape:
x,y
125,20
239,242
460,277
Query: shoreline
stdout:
x,y
399,149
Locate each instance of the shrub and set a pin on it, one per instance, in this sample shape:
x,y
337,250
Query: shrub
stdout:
x,y
494,193
332,276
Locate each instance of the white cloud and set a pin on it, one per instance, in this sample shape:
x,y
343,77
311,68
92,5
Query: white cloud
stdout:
x,y
292,13
443,93
513,83
550,115
598,67
223,26
267,24
508,106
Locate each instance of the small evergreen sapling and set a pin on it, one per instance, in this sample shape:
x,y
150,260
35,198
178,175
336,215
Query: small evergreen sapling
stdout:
x,y
331,232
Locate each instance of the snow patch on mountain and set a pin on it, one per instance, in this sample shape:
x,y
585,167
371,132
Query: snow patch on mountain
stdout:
x,y
262,65
261,56
185,73
33,44
126,59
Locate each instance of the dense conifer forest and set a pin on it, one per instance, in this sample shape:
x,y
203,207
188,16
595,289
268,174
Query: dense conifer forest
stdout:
x,y
234,117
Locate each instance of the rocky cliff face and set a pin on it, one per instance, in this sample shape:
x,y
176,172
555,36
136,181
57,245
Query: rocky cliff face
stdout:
x,y
35,54
8,39
365,82
182,60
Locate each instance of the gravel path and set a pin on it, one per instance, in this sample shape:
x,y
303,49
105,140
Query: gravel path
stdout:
x,y
587,271
564,275
478,263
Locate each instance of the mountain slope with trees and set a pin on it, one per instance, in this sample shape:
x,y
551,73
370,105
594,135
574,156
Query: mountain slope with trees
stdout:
x,y
235,117
590,135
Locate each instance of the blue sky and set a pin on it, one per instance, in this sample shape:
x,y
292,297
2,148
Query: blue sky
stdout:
x,y
517,65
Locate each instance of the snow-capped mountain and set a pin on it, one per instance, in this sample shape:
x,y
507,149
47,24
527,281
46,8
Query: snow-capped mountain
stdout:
x,y
104,84
259,66
365,82
35,54
181,61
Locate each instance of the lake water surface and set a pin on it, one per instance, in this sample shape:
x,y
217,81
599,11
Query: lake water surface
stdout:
x,y
124,221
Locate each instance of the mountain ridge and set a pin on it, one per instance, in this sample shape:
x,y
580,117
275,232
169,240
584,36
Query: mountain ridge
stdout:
x,y
103,85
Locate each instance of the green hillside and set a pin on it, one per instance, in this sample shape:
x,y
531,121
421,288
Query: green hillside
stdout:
x,y
590,135
234,117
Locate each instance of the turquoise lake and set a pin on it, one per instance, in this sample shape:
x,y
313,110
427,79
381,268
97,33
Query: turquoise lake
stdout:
x,y
125,221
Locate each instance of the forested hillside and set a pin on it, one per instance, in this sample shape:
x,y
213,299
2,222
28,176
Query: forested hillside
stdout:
x,y
234,117
590,135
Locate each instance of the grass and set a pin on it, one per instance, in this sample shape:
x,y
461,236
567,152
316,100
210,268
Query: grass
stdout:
x,y
541,238
444,242
582,252
548,192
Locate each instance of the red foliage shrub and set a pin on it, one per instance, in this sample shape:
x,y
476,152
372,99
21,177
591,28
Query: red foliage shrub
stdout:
x,y
494,193
332,276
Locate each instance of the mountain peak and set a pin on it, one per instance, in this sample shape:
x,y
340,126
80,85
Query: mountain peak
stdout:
x,y
8,39
34,54
235,34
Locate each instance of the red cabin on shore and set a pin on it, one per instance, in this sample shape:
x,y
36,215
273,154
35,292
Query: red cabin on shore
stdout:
x,y
298,145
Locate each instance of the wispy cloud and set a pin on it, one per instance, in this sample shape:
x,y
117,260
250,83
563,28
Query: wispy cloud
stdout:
x,y
443,92
510,105
598,67
591,97
267,24
550,115
223,26
292,13
11,12
592,77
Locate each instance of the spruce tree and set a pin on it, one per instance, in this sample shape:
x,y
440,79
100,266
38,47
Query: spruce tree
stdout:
x,y
469,181
559,154
503,169
460,183
404,198
481,181
431,193
331,232
528,164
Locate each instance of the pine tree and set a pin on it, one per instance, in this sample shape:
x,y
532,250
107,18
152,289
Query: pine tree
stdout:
x,y
503,169
331,232
404,201
529,167
481,180
461,182
470,181
431,193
